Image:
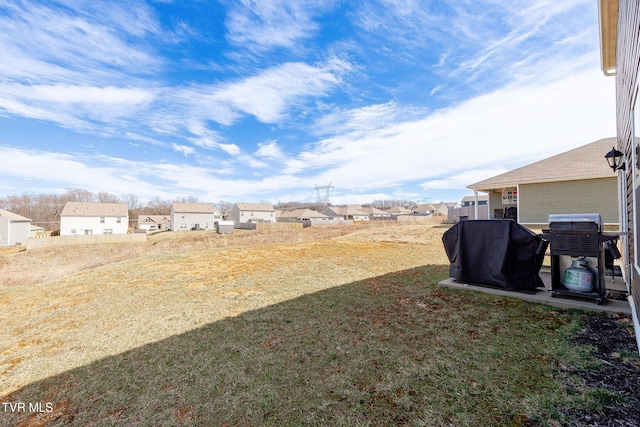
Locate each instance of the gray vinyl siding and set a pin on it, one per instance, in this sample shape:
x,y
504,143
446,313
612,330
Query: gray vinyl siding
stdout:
x,y
495,202
537,201
627,71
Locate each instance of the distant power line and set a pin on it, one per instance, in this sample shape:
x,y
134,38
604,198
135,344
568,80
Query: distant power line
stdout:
x,y
323,192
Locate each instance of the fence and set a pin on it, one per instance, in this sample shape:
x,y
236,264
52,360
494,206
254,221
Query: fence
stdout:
x,y
468,212
86,240
262,226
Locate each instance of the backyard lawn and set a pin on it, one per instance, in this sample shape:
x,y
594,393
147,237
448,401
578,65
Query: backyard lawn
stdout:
x,y
341,326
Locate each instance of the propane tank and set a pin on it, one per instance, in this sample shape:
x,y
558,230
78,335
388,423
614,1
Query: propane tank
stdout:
x,y
579,277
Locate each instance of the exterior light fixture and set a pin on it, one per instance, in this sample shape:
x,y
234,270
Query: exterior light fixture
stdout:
x,y
614,158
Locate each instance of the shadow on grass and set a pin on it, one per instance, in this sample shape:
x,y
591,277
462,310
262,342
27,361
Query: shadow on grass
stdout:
x,y
389,350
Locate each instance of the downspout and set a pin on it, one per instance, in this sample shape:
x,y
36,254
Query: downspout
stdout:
x,y
475,205
518,202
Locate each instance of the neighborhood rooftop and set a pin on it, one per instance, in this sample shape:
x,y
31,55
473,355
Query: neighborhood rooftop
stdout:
x,y
95,209
193,207
255,207
12,216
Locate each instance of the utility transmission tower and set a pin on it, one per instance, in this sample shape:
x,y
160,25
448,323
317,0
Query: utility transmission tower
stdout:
x,y
322,194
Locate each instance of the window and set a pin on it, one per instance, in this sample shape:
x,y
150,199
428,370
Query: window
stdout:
x,y
119,220
101,220
107,231
73,231
88,232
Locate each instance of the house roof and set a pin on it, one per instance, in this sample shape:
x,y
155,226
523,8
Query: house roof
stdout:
x,y
13,217
399,210
303,213
261,207
95,209
586,162
192,207
347,210
374,211
155,219
425,207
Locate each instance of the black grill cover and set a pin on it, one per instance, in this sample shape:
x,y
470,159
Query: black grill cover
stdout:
x,y
495,252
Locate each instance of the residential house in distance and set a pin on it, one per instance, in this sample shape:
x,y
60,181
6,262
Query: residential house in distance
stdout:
x,y
14,228
346,212
82,218
302,215
468,209
154,222
193,216
471,200
398,211
252,213
432,209
375,213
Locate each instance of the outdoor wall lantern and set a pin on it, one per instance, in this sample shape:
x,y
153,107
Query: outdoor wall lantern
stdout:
x,y
614,158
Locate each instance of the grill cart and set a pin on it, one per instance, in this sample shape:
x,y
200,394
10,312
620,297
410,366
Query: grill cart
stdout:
x,y
577,248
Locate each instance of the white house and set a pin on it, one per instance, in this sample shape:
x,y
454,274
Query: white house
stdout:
x,y
252,212
193,216
14,228
81,218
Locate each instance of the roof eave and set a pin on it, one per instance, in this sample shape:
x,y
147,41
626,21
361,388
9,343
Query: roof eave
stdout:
x,y
608,20
500,185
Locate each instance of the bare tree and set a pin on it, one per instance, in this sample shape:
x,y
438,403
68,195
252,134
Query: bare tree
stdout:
x,y
104,197
225,207
132,201
157,206
185,199
79,195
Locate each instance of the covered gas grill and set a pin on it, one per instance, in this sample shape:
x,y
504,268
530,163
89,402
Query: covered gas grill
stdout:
x,y
495,252
577,247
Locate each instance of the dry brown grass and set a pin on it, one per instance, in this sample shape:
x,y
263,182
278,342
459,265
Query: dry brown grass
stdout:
x,y
63,307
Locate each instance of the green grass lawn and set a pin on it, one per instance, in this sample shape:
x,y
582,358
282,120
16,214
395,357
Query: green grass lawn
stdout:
x,y
391,350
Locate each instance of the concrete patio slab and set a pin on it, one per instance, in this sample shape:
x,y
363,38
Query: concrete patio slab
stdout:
x,y
544,296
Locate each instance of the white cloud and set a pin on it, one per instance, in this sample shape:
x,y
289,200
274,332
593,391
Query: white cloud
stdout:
x,y
185,150
504,128
81,37
462,179
268,95
265,24
269,150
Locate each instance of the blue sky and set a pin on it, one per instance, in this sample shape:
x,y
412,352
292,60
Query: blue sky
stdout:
x,y
252,101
